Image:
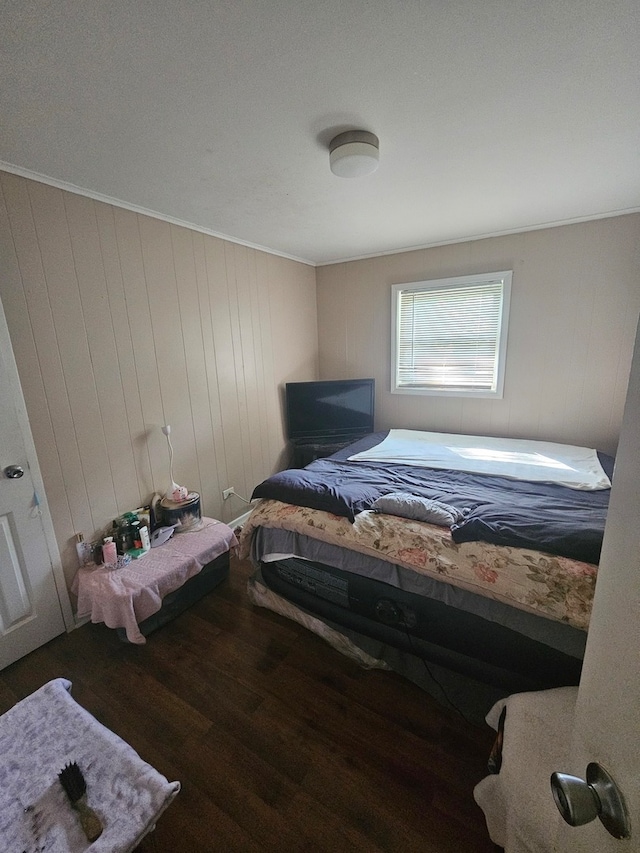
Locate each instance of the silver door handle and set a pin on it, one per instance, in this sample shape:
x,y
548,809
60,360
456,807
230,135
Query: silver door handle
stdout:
x,y
581,801
14,472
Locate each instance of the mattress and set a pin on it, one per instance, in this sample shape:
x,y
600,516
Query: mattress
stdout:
x,y
554,587
471,697
452,637
510,608
269,544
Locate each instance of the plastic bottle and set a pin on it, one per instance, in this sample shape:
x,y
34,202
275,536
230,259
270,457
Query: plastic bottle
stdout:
x,y
123,542
109,553
135,530
85,553
144,537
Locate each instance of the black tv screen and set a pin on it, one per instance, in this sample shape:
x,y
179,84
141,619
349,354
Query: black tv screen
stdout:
x,y
332,409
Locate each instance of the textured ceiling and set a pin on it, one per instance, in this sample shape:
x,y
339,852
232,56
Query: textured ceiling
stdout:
x,y
493,115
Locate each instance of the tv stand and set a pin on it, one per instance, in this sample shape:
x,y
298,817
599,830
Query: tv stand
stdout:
x,y
307,450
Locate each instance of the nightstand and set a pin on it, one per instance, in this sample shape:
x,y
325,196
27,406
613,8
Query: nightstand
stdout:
x,y
150,591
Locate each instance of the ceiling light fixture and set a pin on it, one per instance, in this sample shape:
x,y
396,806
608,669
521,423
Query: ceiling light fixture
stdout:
x,y
354,153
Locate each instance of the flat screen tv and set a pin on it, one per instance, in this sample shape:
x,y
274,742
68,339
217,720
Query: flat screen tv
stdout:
x,y
329,410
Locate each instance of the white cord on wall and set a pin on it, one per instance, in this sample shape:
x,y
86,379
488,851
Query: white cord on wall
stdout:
x,y
174,492
242,498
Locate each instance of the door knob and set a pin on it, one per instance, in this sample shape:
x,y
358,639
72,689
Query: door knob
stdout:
x,y
581,801
14,472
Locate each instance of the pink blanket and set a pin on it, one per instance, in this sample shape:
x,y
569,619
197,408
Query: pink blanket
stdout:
x,y
122,598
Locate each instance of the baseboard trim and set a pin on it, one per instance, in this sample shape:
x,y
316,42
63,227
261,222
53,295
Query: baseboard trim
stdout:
x,y
240,520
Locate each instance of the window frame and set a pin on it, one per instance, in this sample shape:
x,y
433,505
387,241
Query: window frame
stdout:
x,y
442,284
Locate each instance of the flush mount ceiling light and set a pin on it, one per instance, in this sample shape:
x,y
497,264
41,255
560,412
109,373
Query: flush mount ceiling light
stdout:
x,y
354,153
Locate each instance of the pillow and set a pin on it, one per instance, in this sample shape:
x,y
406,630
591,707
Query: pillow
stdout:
x,y
411,506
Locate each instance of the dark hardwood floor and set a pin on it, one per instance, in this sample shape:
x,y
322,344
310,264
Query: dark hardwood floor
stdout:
x,y
280,743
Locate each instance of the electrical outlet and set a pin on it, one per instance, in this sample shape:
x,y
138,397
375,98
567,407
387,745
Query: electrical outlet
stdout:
x,y
226,493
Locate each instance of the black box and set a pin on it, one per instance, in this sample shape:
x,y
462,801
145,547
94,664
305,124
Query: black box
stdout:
x,y
178,601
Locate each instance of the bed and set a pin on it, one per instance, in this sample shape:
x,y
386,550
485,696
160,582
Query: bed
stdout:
x,y
498,589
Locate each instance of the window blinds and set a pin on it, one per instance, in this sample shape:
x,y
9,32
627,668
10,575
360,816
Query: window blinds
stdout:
x,y
449,337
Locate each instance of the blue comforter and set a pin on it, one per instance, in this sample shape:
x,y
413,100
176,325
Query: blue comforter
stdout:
x,y
541,516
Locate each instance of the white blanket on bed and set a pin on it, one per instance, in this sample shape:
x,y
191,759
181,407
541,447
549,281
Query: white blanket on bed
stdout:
x,y
517,459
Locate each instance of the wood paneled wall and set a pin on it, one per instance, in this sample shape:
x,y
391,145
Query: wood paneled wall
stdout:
x,y
575,304
121,323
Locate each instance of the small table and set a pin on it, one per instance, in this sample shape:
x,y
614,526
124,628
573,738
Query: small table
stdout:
x,y
125,598
41,734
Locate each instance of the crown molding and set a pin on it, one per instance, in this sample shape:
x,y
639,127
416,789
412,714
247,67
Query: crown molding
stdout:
x,y
116,202
472,237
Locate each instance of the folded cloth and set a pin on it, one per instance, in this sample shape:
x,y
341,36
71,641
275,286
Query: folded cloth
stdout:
x,y
411,506
41,734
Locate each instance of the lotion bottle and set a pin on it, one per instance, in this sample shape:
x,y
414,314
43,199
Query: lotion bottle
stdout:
x,y
85,553
144,537
109,553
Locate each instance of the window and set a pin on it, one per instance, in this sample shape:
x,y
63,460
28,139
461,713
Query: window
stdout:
x,y
449,336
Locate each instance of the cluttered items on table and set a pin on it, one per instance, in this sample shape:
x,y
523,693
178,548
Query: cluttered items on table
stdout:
x,y
127,539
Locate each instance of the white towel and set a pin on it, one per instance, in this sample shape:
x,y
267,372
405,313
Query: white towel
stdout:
x,y
517,459
41,734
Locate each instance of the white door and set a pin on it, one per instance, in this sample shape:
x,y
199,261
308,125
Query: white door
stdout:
x,y
31,611
607,722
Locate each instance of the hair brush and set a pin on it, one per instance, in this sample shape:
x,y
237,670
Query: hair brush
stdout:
x,y
75,788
